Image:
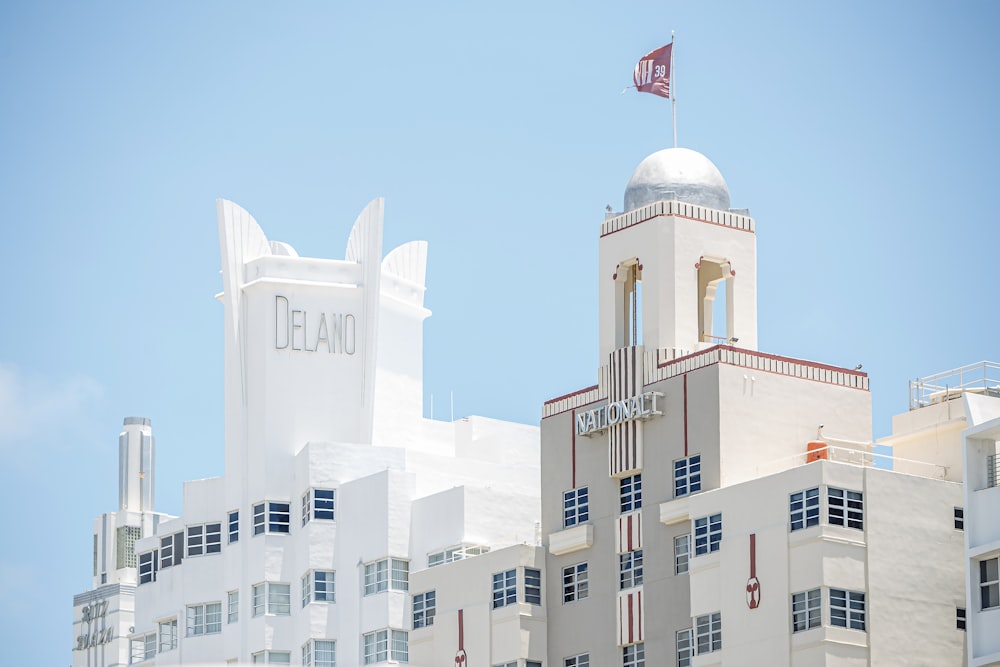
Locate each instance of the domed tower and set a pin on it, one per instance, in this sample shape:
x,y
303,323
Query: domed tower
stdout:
x,y
678,267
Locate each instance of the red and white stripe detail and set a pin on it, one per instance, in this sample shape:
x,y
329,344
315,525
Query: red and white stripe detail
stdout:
x,y
628,537
631,620
625,440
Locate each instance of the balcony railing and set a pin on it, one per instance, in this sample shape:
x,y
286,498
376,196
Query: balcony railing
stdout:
x,y
991,471
981,378
859,456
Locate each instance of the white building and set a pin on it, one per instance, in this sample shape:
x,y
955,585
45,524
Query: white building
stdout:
x,y
706,503
336,489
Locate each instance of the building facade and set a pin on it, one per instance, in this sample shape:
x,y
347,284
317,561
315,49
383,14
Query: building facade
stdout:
x,y
723,505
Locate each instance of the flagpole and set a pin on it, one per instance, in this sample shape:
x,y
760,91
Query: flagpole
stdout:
x,y
673,85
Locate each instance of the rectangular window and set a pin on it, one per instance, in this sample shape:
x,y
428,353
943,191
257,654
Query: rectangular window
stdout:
x,y
575,582
847,609
685,647
707,534
682,553
125,539
271,517
576,506
400,646
806,610
277,597
271,658
323,503
400,580
168,635
258,600
376,647
377,577
258,519
171,550
960,618
504,588
687,476
634,655
204,539
424,609
204,619
233,612
959,518
143,647
803,508
532,586
319,653
989,583
532,663
708,633
318,586
148,565
630,493
630,569
582,660
234,526
846,508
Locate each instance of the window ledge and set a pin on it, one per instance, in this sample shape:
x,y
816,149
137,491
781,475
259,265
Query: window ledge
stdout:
x,y
572,539
712,659
675,511
703,562
827,533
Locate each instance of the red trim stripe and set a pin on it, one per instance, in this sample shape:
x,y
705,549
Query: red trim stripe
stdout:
x,y
631,635
753,555
572,426
685,415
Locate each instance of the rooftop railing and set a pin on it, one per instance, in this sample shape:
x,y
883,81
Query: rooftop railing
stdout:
x,y
980,378
862,457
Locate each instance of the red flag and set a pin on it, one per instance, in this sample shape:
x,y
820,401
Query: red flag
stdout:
x,y
652,72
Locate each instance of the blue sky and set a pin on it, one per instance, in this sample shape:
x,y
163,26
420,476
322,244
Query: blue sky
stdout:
x,y
862,137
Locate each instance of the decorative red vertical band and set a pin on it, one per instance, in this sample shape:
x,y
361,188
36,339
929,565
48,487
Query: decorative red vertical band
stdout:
x,y
753,584
685,415
572,428
461,659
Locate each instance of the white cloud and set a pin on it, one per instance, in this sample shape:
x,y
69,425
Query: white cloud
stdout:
x,y
31,403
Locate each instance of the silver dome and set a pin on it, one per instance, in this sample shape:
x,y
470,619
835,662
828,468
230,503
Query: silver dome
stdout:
x,y
677,173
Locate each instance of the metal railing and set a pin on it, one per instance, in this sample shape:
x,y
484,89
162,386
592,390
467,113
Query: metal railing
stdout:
x,y
991,471
982,378
859,456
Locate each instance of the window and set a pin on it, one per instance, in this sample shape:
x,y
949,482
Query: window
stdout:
x,y
125,538
707,534
532,663
708,632
687,476
532,586
989,583
582,660
846,508
204,539
513,663
271,658
682,553
631,493
504,588
376,647
278,599
234,526
233,614
144,647
319,653
148,566
171,550
424,609
803,508
959,518
275,519
960,618
400,646
376,577
455,553
168,635
318,586
400,575
574,582
318,504
576,506
634,655
806,610
630,569
685,647
847,609
204,619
